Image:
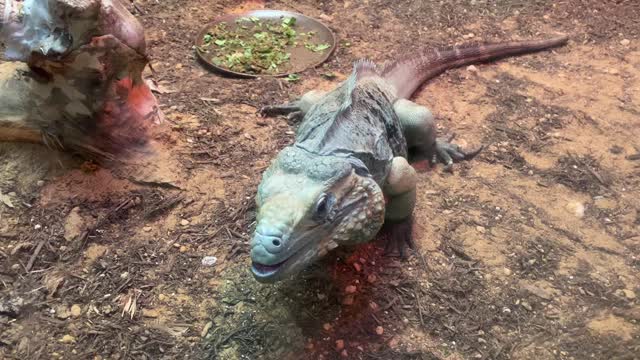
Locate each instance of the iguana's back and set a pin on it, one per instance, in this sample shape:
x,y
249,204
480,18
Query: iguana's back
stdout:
x,y
356,121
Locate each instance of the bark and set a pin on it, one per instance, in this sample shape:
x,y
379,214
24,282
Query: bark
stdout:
x,y
75,82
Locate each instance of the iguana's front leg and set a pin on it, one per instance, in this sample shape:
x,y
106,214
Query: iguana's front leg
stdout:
x,y
294,110
400,191
420,131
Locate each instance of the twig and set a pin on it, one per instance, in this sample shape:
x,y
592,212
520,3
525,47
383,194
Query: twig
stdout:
x,y
34,255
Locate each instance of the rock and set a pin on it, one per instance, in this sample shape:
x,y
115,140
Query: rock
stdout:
x,y
68,339
625,42
184,222
62,312
339,345
507,271
146,228
183,249
357,266
629,294
472,68
209,261
480,229
576,208
526,305
40,183
76,310
379,330
371,278
613,71
351,289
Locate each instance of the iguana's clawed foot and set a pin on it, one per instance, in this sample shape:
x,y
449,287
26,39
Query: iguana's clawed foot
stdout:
x,y
447,153
398,237
295,116
275,110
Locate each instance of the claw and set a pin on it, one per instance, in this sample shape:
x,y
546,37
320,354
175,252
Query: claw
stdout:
x,y
398,237
275,110
295,116
447,153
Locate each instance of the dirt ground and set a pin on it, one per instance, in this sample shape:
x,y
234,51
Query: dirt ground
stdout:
x,y
531,251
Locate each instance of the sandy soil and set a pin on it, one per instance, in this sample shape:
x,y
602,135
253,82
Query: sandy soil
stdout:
x,y
531,251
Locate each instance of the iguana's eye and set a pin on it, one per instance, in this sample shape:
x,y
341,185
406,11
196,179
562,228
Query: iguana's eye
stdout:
x,y
323,206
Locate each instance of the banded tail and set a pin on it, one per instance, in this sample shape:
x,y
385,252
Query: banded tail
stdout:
x,y
408,74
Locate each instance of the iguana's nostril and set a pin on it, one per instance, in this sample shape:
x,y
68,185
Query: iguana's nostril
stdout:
x,y
276,242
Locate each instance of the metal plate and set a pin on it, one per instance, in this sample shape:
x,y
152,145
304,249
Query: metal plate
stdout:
x,y
301,58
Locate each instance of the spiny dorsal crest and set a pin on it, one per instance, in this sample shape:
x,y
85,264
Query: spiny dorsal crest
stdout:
x,y
361,69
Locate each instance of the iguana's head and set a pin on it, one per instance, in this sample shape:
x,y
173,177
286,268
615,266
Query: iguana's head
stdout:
x,y
307,206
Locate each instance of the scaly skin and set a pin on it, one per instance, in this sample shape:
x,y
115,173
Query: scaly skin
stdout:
x,y
347,172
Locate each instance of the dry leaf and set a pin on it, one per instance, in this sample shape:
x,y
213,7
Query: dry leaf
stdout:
x,y
6,200
159,88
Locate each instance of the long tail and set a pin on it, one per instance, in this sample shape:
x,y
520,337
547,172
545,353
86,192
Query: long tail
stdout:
x,y
406,75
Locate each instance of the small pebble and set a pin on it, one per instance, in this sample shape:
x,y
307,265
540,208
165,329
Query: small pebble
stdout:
x,y
480,229
184,222
379,330
506,271
625,42
76,310
183,249
68,339
357,266
371,278
351,289
629,294
326,327
37,227
209,260
472,68
146,228
339,345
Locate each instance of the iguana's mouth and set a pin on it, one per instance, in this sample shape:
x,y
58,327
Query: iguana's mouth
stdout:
x,y
266,270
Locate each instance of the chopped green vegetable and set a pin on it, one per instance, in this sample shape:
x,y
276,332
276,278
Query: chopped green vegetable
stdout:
x,y
257,46
317,48
329,75
293,77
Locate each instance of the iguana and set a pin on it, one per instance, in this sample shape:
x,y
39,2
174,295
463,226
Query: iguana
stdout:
x,y
347,172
